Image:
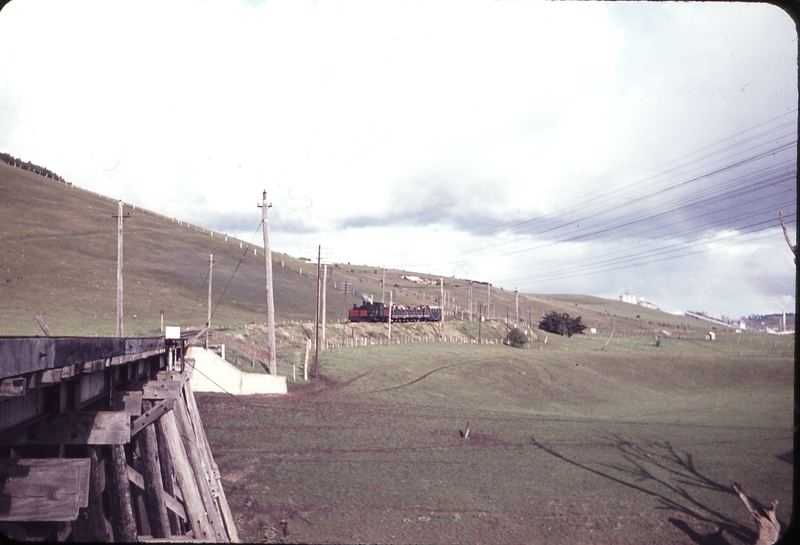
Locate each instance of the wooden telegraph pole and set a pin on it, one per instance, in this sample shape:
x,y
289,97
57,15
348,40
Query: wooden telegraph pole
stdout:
x,y
120,218
316,316
210,275
441,314
391,302
271,361
480,319
516,304
470,300
346,288
324,300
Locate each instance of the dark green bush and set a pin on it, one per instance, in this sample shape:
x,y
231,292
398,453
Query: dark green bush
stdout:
x,y
516,338
561,324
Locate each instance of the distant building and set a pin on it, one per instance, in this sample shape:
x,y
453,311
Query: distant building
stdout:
x,y
418,280
647,304
628,297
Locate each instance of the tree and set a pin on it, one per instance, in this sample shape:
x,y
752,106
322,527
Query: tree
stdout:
x,y
516,338
561,324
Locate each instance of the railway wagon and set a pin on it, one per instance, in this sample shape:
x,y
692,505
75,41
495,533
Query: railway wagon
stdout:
x,y
379,312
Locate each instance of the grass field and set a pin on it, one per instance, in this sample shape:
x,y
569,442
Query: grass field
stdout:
x,y
635,444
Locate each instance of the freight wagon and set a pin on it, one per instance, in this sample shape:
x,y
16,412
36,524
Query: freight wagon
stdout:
x,y
378,312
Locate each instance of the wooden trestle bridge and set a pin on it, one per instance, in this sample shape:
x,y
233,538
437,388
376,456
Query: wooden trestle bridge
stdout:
x,y
101,440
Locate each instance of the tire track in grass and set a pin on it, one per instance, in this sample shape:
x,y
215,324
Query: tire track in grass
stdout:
x,y
429,373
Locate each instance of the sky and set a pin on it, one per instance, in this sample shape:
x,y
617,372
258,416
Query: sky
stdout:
x,y
552,147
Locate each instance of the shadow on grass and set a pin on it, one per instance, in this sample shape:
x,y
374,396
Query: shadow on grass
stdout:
x,y
658,470
787,456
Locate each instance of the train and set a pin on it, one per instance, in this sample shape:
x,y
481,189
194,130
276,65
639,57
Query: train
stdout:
x,y
378,312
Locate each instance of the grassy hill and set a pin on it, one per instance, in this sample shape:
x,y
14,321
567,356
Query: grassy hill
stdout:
x,y
59,259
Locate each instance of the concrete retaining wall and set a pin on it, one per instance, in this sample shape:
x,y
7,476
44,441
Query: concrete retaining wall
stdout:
x,y
213,374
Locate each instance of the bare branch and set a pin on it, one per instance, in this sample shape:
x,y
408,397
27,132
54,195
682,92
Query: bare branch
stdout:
x,y
769,528
792,247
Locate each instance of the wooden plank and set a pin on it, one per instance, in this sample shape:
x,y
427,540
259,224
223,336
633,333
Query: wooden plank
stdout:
x,y
201,473
83,428
51,376
128,358
151,416
128,402
84,474
35,379
19,356
51,489
43,325
195,509
175,506
135,477
68,371
171,503
161,389
16,412
88,387
13,387
96,365
172,376
217,489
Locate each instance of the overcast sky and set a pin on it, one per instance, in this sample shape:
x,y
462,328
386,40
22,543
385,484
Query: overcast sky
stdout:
x,y
564,147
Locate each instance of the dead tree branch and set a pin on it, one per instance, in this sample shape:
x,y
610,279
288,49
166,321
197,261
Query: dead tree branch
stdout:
x,y
792,247
768,526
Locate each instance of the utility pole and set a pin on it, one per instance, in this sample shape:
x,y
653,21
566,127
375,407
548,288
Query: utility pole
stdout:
x,y
383,283
470,300
347,287
488,298
210,276
480,319
441,314
516,296
391,301
271,361
316,316
324,300
120,218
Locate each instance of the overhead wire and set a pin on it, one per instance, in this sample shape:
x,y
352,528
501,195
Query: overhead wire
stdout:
x,y
613,188
246,250
722,203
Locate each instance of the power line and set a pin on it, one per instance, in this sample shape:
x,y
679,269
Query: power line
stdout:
x,y
237,268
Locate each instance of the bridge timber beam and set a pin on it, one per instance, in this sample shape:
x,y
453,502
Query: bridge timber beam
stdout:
x,y
94,422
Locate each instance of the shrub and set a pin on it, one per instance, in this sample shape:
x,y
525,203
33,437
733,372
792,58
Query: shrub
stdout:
x,y
561,324
516,338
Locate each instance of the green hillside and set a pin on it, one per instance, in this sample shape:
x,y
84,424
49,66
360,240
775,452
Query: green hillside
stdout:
x,y
59,256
